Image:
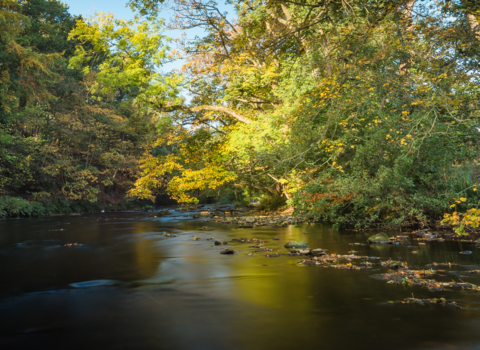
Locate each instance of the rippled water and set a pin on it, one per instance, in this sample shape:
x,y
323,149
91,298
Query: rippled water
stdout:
x,y
177,293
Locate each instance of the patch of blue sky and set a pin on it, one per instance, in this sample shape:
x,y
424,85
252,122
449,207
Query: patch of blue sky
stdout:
x,y
120,9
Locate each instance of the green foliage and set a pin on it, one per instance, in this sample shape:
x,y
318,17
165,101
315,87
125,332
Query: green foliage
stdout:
x,y
49,25
132,53
16,207
58,137
232,195
269,202
358,112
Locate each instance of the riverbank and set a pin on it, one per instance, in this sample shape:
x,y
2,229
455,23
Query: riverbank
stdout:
x,y
17,207
243,217
252,217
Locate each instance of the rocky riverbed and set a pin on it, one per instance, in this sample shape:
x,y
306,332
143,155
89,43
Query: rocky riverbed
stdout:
x,y
256,221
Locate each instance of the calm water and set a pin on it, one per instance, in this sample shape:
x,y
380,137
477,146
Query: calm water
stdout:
x,y
176,293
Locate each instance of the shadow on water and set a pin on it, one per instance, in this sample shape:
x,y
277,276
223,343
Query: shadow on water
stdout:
x,y
177,293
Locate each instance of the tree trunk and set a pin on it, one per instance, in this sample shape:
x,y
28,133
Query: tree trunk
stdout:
x,y
407,26
472,20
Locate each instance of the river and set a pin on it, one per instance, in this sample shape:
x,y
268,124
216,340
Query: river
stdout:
x,y
178,293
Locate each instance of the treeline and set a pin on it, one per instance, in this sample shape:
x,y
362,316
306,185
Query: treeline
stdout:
x,y
62,148
355,112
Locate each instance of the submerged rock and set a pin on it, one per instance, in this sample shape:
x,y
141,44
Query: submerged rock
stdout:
x,y
257,246
95,283
381,238
467,252
296,244
420,233
435,301
301,251
249,240
402,238
275,255
227,251
318,252
74,245
449,264
393,264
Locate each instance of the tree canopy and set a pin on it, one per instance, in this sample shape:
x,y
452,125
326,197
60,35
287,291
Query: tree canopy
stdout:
x,y
355,112
60,144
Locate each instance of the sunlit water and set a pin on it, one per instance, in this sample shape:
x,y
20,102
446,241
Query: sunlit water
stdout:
x,y
177,293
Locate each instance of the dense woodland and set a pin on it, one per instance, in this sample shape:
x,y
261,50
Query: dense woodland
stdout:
x,y
351,111
63,149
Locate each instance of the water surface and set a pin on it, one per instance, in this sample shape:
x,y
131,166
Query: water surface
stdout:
x,y
177,293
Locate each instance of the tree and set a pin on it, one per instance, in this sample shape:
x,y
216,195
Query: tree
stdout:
x,y
356,112
60,142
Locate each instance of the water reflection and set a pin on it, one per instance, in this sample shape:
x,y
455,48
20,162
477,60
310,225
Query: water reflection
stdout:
x,y
182,294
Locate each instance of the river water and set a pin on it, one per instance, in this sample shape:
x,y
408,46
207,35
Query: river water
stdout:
x,y
177,293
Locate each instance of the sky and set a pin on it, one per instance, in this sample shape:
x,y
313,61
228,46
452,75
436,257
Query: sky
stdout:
x,y
89,7
119,9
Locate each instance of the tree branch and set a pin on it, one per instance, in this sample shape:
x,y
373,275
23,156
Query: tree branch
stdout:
x,y
169,109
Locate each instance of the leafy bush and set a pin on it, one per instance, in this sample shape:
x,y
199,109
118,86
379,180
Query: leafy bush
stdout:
x,y
394,196
230,195
16,207
11,207
62,206
271,202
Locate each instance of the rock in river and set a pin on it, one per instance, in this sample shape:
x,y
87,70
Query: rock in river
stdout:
x,y
466,252
379,238
95,283
296,244
301,251
318,252
227,251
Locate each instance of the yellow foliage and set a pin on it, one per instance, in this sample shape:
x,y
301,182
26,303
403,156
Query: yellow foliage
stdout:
x,y
469,219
